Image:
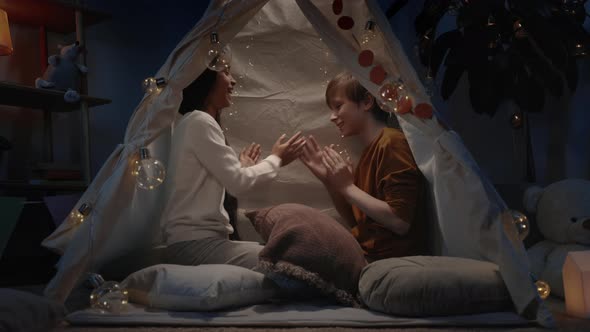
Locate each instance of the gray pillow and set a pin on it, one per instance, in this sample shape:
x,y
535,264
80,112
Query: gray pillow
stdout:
x,y
433,286
24,311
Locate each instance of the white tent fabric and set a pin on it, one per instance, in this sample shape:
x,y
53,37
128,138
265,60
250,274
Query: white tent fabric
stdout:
x,y
279,47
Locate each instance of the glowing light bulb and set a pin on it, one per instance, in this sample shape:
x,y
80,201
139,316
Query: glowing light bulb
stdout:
x,y
368,34
521,222
153,85
217,58
107,295
79,215
149,173
392,96
543,289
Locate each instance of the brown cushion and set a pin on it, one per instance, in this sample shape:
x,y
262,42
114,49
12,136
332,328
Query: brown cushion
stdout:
x,y
308,245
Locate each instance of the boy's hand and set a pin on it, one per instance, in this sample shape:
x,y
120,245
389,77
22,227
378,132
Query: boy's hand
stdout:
x,y
339,172
312,159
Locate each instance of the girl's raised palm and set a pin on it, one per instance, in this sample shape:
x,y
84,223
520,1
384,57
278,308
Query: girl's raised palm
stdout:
x,y
289,150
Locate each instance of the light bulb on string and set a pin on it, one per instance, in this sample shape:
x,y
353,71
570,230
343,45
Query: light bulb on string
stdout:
x,y
392,96
218,58
107,296
369,34
81,213
521,223
153,85
149,173
543,289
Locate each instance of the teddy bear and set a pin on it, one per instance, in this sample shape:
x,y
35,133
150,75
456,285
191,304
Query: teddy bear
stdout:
x,y
563,217
63,72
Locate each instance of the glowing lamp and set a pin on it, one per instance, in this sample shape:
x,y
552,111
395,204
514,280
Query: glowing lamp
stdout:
x,y
5,40
576,283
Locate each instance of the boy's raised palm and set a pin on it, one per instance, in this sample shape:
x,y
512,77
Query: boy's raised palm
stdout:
x,y
312,159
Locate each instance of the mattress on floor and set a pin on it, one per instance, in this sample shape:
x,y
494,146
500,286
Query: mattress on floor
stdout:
x,y
284,315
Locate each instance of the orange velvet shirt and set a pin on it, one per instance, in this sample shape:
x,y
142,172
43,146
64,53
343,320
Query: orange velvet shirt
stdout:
x,y
387,171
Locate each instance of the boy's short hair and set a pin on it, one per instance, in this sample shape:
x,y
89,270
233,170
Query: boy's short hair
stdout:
x,y
355,92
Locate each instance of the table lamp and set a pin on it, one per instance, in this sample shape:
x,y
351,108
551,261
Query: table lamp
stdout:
x,y
5,40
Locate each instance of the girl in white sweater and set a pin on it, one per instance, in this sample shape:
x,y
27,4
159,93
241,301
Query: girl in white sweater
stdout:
x,y
203,169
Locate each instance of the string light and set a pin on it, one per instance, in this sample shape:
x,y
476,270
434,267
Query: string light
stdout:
x,y
543,289
368,34
149,172
107,295
521,222
218,58
79,215
153,85
393,97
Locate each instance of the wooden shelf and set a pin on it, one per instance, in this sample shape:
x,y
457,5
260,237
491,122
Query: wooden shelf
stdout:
x,y
50,100
43,185
54,15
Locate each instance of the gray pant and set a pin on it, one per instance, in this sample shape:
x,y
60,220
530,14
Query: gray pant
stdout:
x,y
213,251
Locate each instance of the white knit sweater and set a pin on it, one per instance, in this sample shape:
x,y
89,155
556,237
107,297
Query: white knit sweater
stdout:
x,y
200,168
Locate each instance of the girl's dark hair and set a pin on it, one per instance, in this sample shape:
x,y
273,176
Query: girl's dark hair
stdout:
x,y
193,99
195,95
354,91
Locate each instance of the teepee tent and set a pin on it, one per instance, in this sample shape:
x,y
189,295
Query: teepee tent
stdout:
x,y
284,51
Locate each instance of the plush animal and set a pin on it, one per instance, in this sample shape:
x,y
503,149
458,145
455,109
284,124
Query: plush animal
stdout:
x,y
563,217
63,72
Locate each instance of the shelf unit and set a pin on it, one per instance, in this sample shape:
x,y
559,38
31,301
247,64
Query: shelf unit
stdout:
x,y
60,17
12,94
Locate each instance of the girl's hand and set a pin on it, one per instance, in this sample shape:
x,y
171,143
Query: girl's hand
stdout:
x,y
290,150
250,155
339,172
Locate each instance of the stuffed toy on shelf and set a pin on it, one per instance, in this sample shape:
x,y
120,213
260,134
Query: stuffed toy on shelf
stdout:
x,y
64,72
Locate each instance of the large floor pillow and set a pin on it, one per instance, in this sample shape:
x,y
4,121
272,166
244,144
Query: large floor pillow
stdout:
x,y
420,286
309,246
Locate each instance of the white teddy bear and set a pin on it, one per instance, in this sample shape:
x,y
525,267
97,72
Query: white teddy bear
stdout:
x,y
63,72
563,217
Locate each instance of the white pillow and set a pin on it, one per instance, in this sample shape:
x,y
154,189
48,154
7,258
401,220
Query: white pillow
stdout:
x,y
24,311
198,288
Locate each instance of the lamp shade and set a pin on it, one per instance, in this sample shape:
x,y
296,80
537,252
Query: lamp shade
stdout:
x,y
576,283
5,41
